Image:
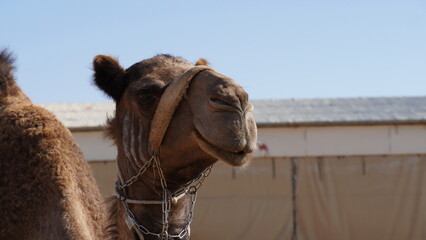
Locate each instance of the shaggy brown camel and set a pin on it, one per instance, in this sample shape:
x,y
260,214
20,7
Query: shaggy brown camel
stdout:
x,y
162,164
47,188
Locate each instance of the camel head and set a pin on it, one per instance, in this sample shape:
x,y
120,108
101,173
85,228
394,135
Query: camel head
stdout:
x,y
212,122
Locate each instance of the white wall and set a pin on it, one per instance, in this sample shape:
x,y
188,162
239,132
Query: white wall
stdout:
x,y
344,140
303,141
95,146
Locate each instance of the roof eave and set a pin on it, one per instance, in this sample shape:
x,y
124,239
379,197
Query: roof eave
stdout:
x,y
341,123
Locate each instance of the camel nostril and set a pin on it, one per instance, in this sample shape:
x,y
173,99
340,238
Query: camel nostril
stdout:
x,y
224,105
220,101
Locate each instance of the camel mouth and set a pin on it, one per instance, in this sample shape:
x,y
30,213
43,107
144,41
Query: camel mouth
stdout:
x,y
235,159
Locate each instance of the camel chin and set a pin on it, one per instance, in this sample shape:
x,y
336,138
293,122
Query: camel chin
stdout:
x,y
235,159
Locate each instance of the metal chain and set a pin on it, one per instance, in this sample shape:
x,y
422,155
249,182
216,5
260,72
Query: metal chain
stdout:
x,y
188,188
131,180
166,206
164,234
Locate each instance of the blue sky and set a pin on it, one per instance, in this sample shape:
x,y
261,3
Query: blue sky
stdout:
x,y
275,49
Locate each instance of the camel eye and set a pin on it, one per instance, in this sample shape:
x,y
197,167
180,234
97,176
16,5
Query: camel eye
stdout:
x,y
145,96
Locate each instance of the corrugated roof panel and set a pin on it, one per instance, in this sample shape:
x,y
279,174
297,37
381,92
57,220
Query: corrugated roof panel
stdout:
x,y
340,111
82,115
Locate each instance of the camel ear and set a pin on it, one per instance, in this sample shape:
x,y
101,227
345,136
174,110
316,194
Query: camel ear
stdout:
x,y
109,76
202,61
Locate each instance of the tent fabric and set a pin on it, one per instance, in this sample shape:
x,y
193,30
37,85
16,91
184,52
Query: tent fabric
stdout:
x,y
248,203
370,197
361,198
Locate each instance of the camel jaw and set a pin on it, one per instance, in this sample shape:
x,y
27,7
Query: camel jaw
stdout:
x,y
235,159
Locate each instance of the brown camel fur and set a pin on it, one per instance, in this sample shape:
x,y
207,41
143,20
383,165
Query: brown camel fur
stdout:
x,y
212,122
47,188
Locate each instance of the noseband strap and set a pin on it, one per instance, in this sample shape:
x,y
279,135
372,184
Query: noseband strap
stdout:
x,y
167,106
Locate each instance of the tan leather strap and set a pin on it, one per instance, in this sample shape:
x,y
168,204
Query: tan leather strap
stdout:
x,y
167,106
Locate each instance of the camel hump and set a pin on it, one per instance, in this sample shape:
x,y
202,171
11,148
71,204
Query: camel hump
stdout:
x,y
8,86
6,69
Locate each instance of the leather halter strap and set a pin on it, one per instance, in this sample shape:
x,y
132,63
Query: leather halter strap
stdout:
x,y
167,106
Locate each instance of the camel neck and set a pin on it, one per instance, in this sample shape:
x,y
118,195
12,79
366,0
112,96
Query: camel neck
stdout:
x,y
147,188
